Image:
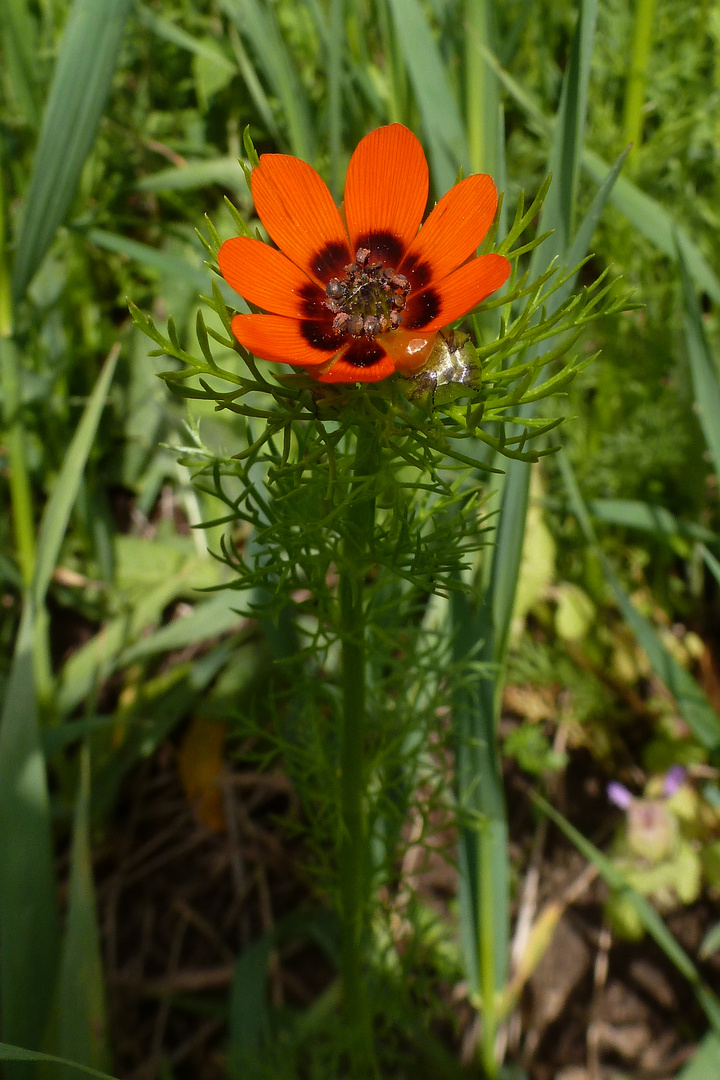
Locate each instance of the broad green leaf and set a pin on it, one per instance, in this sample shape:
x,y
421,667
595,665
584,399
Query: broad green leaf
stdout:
x,y
439,114
694,706
703,365
81,81
249,1014
78,1027
705,1062
28,917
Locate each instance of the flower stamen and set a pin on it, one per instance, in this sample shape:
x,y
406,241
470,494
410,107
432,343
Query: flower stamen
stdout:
x,y
368,299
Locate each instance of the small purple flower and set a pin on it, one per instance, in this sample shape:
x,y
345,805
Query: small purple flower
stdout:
x,y
674,778
617,793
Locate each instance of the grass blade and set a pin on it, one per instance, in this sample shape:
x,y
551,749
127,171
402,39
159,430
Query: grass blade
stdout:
x,y
258,24
694,706
439,114
483,96
18,34
633,514
80,85
705,379
28,917
565,156
648,216
18,1053
79,1027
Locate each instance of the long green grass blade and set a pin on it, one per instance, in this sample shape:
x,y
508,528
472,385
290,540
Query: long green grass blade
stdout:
x,y
705,376
80,85
18,1053
197,174
79,1025
633,514
484,866
441,121
482,91
694,706
258,24
28,918
566,153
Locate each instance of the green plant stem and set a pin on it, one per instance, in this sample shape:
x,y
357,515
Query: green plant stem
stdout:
x,y
353,854
482,95
14,436
635,87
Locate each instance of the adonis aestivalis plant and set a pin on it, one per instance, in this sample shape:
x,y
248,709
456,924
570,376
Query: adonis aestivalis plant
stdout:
x,y
400,362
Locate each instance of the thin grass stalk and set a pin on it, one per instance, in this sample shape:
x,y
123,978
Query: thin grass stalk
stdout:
x,y
336,50
635,86
19,481
481,88
353,853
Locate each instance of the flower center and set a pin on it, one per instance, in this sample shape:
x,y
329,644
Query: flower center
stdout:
x,y
368,299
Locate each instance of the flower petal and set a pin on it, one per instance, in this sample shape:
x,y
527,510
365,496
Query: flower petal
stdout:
x,y
408,349
452,232
266,278
362,361
386,192
288,341
450,299
296,208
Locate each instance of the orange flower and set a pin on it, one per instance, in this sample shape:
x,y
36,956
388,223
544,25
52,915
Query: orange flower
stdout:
x,y
354,300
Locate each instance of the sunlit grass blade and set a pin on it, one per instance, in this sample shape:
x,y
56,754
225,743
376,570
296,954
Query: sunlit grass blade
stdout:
x,y
197,174
28,917
647,517
258,25
484,865
694,706
18,35
80,85
558,209
440,117
18,1053
703,365
78,1027
647,915
482,92
635,86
